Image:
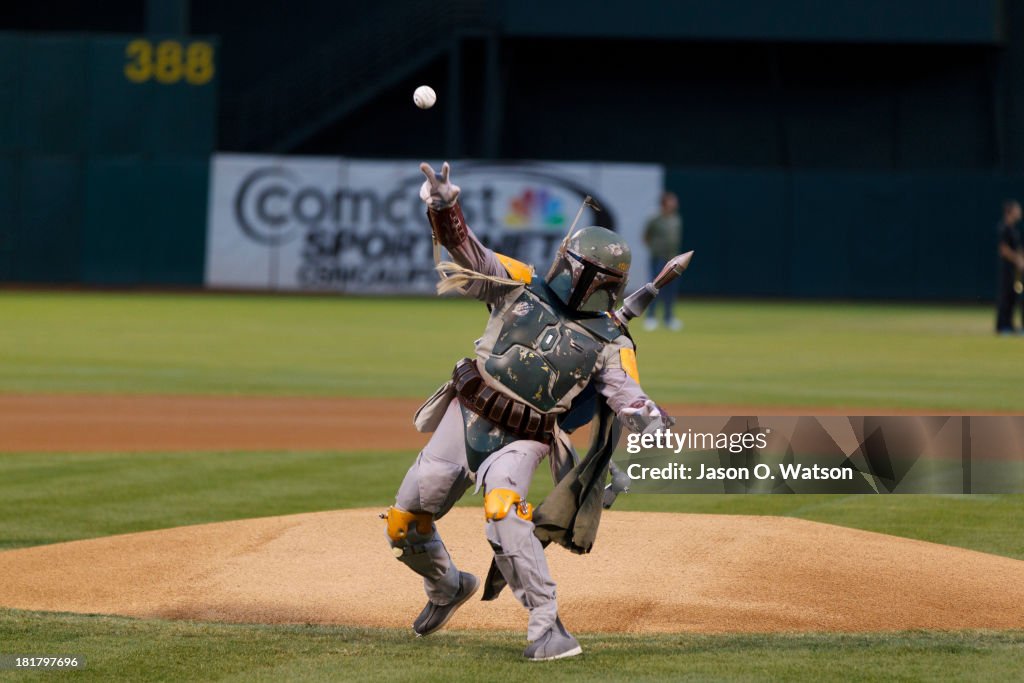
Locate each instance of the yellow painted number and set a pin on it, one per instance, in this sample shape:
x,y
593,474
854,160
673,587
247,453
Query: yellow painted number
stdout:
x,y
169,62
140,61
199,63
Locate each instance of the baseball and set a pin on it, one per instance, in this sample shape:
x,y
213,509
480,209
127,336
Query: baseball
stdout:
x,y
424,97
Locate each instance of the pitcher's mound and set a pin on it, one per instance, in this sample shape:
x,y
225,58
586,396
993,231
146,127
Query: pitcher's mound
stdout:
x,y
649,572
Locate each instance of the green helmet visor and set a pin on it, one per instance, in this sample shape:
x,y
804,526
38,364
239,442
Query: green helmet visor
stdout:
x,y
584,284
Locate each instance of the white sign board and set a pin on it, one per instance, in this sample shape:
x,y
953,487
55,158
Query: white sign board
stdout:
x,y
359,226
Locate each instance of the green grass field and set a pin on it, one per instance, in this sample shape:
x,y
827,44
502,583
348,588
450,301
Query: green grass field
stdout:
x,y
942,358
763,353
139,650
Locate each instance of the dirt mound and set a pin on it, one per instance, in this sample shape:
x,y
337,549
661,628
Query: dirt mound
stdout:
x,y
649,572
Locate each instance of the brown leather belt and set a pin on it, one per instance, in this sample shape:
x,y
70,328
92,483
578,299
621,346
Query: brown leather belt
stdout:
x,y
499,409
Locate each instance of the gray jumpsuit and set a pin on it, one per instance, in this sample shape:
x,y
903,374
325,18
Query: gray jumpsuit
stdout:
x,y
447,467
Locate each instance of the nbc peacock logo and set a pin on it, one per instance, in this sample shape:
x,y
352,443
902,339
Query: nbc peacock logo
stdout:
x,y
535,207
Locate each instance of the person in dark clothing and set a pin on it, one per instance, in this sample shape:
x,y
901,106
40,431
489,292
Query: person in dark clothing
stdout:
x,y
1011,263
663,236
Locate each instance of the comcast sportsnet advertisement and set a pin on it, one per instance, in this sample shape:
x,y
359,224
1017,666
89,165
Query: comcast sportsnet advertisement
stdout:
x,y
359,226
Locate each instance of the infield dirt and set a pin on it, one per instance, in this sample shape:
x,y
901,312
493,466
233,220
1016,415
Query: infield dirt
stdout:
x,y
82,423
649,572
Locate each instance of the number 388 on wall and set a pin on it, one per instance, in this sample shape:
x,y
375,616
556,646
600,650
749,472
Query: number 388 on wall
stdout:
x,y
169,61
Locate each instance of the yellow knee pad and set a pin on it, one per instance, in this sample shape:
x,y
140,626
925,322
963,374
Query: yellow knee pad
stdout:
x,y
400,520
498,502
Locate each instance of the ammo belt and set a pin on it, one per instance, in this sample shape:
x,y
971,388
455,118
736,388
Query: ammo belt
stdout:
x,y
503,411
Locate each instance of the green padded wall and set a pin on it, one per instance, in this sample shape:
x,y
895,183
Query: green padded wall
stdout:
x,y
104,155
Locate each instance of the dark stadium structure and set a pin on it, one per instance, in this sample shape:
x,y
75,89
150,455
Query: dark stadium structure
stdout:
x,y
844,149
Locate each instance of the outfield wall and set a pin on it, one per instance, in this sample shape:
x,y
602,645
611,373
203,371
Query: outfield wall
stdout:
x,y
356,226
125,221
842,234
104,157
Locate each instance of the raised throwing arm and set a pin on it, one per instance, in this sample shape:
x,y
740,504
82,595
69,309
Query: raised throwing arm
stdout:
x,y
449,226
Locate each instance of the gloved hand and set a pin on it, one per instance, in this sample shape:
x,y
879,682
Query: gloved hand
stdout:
x,y
645,416
437,190
620,484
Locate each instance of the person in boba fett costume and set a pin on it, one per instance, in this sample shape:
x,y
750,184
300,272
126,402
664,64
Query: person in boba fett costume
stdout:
x,y
552,356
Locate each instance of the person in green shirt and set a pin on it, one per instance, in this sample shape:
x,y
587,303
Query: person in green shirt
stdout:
x,y
663,236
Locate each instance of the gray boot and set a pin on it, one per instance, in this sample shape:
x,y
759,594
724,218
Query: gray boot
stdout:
x,y
435,616
556,643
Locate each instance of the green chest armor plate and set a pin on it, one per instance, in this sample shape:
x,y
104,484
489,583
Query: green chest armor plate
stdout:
x,y
538,356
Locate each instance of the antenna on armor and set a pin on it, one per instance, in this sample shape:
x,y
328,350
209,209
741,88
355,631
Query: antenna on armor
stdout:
x,y
587,201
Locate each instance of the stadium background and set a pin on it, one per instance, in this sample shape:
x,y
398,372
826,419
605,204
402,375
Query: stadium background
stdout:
x,y
850,149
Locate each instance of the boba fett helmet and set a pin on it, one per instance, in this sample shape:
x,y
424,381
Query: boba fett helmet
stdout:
x,y
590,270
